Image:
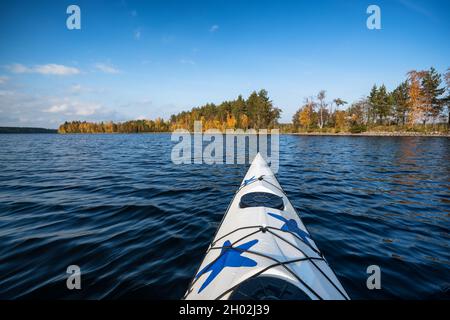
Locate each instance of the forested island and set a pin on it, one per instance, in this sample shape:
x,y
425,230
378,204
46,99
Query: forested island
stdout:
x,y
419,104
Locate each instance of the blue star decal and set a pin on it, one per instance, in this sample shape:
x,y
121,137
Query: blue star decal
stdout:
x,y
229,257
246,182
291,225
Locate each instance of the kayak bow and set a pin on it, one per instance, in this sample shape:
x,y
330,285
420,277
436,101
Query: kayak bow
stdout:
x,y
262,250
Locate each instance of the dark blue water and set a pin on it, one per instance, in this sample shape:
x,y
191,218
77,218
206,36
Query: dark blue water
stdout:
x,y
138,225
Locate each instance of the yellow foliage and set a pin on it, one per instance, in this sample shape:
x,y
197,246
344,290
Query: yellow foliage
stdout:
x,y
340,119
231,122
244,121
415,97
305,117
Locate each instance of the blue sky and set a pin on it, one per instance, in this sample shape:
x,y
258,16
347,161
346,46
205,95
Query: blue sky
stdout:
x,y
144,59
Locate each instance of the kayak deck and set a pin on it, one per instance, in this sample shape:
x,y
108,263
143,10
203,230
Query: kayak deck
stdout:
x,y
262,250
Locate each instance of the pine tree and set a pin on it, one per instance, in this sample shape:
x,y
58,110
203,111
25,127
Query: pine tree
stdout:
x,y
373,102
385,105
400,98
432,106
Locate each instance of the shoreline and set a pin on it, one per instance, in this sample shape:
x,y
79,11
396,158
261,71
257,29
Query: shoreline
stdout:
x,y
329,134
373,134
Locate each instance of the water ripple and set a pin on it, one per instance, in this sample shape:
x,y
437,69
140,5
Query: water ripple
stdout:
x,y
138,226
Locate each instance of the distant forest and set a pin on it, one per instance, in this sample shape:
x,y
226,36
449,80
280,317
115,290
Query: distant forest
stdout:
x,y
25,130
257,111
420,103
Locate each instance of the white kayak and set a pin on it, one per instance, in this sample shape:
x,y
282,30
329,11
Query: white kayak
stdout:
x,y
262,250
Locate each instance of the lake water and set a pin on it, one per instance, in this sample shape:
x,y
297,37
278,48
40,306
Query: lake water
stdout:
x,y
138,225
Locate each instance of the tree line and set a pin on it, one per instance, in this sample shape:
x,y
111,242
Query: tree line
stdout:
x,y
133,126
257,112
421,102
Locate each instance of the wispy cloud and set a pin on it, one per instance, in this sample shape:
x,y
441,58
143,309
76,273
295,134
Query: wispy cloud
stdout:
x,y
56,69
6,93
187,61
106,68
57,108
3,79
20,108
214,28
17,68
75,108
46,69
145,108
77,89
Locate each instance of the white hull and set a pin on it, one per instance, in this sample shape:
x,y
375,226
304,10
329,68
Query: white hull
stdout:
x,y
259,242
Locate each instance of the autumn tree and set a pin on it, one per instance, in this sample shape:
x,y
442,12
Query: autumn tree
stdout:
x,y
304,117
340,118
257,111
338,102
356,113
420,98
244,122
415,96
231,122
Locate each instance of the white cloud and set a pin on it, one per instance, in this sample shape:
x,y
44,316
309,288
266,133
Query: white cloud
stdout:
x,y
214,28
3,79
85,109
18,68
56,69
57,108
6,93
46,69
106,68
25,109
76,108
